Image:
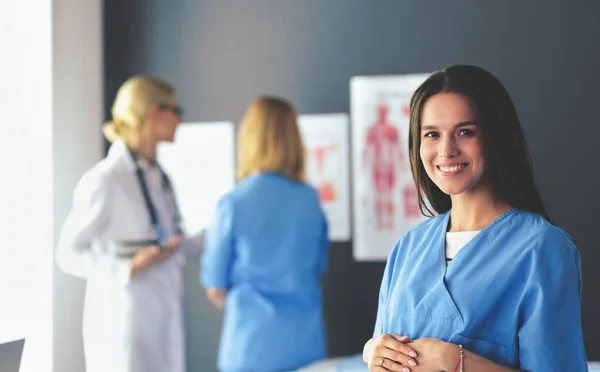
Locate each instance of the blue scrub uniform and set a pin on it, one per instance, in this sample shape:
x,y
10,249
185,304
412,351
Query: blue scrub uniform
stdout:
x,y
511,295
268,246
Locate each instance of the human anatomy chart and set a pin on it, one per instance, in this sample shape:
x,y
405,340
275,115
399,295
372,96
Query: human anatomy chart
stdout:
x,y
384,196
327,161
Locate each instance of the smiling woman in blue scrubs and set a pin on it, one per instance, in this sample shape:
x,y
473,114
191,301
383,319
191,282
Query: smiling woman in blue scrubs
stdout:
x,y
488,283
267,249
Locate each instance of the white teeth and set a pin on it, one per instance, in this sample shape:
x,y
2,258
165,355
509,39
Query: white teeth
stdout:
x,y
453,168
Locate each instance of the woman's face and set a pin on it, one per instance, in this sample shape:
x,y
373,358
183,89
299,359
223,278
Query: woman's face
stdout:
x,y
164,121
451,145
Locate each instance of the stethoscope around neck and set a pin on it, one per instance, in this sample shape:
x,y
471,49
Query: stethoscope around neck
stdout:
x,y
167,189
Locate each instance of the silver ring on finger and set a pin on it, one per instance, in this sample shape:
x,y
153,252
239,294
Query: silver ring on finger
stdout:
x,y
381,362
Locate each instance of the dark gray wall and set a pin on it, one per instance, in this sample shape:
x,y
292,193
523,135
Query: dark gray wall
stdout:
x,y
222,54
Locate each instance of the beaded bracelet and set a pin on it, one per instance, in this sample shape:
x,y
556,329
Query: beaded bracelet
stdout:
x,y
460,365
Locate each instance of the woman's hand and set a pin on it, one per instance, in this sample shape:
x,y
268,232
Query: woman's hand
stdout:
x,y
217,297
389,353
434,354
150,255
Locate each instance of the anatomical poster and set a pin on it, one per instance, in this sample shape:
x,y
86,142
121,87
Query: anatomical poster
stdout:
x,y
327,162
384,195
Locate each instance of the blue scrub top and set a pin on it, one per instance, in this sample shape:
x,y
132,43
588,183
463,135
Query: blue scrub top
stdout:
x,y
511,295
268,246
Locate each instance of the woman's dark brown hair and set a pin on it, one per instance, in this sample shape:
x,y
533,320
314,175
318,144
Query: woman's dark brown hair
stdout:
x,y
508,162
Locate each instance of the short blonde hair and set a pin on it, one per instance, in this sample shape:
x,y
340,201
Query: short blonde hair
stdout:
x,y
269,140
134,99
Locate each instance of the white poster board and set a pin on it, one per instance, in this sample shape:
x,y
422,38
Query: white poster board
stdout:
x,y
384,196
327,163
201,166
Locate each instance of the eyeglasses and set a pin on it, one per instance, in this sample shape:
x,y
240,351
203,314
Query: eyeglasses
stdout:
x,y
177,110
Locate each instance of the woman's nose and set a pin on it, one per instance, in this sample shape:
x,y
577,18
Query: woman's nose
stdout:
x,y
447,148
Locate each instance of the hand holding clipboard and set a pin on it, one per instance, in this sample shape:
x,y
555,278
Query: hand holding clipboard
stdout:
x,y
149,255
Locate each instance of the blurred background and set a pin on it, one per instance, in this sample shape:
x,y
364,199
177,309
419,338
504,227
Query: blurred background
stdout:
x,y
65,59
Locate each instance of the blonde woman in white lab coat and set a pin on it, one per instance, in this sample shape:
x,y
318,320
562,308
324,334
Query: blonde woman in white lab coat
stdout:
x,y
123,236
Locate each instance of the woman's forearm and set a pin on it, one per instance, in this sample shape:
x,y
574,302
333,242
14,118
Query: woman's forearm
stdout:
x,y
472,361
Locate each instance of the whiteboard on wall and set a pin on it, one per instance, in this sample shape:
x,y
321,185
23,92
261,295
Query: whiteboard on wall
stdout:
x,y
201,166
327,163
384,195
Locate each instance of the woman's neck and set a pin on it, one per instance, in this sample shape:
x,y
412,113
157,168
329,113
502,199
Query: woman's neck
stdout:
x,y
474,211
145,149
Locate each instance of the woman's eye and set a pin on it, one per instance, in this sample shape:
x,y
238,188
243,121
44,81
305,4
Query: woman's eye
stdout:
x,y
430,134
466,132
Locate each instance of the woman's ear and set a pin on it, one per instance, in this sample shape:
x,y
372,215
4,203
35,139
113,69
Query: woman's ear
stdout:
x,y
152,112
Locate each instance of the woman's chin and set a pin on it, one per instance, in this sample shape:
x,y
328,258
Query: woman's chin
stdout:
x,y
453,190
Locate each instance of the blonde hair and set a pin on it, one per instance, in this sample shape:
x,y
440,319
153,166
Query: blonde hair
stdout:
x,y
269,140
131,105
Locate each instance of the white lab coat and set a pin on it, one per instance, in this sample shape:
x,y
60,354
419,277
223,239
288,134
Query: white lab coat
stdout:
x,y
130,324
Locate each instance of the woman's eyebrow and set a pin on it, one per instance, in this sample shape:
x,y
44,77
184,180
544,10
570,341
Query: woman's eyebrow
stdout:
x,y
461,124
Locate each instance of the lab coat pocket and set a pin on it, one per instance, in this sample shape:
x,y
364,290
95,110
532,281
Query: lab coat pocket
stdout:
x,y
488,349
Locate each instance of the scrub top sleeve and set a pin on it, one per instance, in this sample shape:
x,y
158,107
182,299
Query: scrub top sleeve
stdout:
x,y
550,336
383,294
217,256
87,222
325,244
